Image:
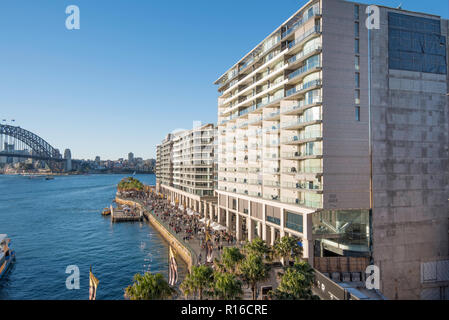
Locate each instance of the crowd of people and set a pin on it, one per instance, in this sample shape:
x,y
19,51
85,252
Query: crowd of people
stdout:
x,y
187,226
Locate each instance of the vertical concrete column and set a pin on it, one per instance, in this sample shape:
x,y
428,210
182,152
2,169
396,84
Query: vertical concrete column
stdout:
x,y
238,227
272,236
199,208
282,223
307,242
211,212
259,229
228,219
249,227
264,232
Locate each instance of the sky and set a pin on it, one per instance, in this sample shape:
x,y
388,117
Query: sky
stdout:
x,y
134,71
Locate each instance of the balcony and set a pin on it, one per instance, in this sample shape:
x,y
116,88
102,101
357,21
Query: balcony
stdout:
x,y
300,123
302,105
304,186
272,116
315,153
300,39
301,202
303,137
271,170
303,70
273,184
314,13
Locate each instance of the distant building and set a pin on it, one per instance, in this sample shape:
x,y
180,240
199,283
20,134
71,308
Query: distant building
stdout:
x,y
68,159
186,167
97,159
130,157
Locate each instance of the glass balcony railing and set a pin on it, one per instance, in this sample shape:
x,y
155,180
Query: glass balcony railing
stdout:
x,y
255,194
274,184
294,170
298,40
301,121
272,114
272,156
314,152
303,136
301,202
302,186
304,86
313,13
304,69
271,170
303,103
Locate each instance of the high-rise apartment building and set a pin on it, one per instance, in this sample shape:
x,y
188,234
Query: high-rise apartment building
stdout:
x,y
337,134
164,162
191,179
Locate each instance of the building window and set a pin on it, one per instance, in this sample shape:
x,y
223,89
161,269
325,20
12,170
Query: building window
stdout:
x,y
357,113
357,63
357,80
294,221
416,44
357,96
357,46
356,12
274,220
356,29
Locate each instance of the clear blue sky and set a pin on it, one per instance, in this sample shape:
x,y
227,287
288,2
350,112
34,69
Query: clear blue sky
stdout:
x,y
136,69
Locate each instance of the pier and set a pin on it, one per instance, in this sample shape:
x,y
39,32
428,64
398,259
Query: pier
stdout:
x,y
126,214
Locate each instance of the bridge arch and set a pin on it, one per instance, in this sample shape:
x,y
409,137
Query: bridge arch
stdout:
x,y
41,149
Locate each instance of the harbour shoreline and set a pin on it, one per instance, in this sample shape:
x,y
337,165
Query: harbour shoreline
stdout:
x,y
186,254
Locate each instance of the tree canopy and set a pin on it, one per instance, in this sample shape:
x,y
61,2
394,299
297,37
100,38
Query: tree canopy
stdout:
x,y
227,286
149,287
198,281
130,184
296,283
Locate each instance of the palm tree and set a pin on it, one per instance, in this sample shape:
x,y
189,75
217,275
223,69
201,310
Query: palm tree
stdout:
x,y
306,269
296,283
197,281
253,270
149,287
286,248
231,258
227,286
259,247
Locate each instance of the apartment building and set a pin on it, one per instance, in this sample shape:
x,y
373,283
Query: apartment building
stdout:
x,y
164,162
193,162
338,134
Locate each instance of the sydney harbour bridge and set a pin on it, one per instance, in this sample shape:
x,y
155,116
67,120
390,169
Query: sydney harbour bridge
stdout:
x,y
16,142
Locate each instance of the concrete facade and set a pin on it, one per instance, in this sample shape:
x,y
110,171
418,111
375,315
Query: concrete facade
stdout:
x,y
410,169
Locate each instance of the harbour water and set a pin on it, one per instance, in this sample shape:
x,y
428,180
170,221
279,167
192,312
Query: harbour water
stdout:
x,y
57,223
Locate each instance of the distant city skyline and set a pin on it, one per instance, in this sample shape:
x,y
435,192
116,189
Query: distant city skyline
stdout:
x,y
119,83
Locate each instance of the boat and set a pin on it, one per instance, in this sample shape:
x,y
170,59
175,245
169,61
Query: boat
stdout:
x,y
49,178
106,212
7,255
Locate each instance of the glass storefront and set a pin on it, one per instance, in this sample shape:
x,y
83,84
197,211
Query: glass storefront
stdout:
x,y
341,232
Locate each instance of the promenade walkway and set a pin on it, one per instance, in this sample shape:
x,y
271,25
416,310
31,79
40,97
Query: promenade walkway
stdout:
x,y
190,232
188,229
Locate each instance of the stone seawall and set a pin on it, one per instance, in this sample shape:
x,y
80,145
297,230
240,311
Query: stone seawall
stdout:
x,y
181,250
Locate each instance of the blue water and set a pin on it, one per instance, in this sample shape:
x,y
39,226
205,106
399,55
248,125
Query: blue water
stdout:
x,y
57,223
